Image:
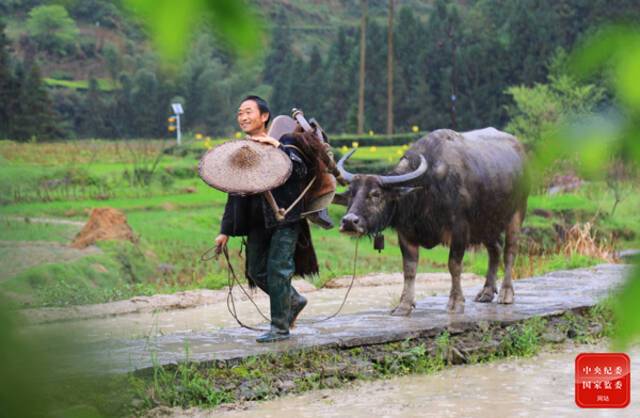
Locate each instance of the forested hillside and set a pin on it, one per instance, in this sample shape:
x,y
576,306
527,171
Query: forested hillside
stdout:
x,y
85,68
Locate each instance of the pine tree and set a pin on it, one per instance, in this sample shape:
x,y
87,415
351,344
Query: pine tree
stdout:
x,y
376,93
410,78
311,89
144,95
34,117
7,86
362,63
92,122
390,64
281,69
341,91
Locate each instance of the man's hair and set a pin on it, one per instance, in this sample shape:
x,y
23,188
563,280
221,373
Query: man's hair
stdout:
x,y
263,107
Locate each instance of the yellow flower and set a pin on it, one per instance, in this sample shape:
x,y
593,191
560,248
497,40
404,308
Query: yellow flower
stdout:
x,y
373,149
371,133
415,129
399,152
198,136
238,135
405,147
207,143
354,144
344,148
208,138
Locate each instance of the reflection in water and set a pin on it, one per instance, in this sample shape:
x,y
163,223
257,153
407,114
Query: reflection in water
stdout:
x,y
215,316
534,387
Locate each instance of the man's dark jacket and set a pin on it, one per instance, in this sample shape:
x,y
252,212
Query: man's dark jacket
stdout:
x,y
243,213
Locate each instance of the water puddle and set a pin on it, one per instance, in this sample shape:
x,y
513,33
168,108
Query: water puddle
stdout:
x,y
212,317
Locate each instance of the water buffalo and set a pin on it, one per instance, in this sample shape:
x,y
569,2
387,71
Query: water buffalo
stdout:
x,y
456,189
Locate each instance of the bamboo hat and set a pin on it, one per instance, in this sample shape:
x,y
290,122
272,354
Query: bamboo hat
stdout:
x,y
244,167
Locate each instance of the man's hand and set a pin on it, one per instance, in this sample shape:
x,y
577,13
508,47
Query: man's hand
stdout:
x,y
265,139
221,242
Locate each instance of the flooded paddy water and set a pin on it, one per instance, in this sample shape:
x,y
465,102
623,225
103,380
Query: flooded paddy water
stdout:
x,y
526,387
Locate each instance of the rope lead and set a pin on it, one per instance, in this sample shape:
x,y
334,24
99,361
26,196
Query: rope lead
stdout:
x,y
232,280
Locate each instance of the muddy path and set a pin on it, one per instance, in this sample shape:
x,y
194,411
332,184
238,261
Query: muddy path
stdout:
x,y
206,334
206,310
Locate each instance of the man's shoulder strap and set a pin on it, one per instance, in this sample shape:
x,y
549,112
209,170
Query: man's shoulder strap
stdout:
x,y
306,157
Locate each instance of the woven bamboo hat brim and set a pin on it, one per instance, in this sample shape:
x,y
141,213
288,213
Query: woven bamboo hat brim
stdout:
x,y
245,167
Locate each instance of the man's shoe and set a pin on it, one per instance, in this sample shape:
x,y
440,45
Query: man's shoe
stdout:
x,y
298,302
274,334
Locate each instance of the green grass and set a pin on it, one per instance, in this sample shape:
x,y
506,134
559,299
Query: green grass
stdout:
x,y
176,227
19,230
103,84
118,273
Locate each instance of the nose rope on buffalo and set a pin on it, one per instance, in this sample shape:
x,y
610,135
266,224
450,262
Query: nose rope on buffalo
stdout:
x,y
232,280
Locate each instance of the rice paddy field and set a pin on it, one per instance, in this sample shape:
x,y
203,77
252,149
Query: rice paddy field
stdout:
x,y
48,190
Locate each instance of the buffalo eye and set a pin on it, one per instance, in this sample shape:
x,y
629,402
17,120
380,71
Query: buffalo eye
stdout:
x,y
374,194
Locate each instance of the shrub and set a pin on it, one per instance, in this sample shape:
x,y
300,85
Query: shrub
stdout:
x,y
52,29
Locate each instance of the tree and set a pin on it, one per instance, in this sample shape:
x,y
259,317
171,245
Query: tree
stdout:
x,y
113,60
33,117
7,85
543,106
313,87
92,121
376,93
390,70
213,87
340,85
363,56
280,69
52,29
122,110
144,95
411,77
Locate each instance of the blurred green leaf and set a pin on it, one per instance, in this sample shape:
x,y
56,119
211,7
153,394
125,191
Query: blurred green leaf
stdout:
x,y
595,51
628,75
615,46
627,311
171,24
617,50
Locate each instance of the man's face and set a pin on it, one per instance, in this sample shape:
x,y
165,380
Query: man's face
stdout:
x,y
249,118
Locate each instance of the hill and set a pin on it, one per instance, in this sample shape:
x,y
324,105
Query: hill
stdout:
x,y
106,27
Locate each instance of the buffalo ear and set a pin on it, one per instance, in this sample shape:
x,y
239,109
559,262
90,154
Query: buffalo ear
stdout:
x,y
341,199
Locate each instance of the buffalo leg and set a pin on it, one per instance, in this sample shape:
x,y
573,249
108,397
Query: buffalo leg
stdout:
x,y
510,247
456,298
489,290
410,254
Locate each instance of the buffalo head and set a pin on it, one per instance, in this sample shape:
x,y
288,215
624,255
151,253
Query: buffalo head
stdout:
x,y
371,199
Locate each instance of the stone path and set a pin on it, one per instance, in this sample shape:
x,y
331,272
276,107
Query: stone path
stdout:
x,y
551,294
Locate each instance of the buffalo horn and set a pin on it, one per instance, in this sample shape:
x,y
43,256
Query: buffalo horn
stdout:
x,y
404,178
345,174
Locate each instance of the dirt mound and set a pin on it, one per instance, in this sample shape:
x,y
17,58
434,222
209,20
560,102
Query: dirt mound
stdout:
x,y
104,224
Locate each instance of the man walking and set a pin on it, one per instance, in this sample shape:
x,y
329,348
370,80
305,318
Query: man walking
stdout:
x,y
271,243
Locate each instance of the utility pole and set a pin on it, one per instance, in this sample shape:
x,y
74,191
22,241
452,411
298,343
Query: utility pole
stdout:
x,y
390,70
363,54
